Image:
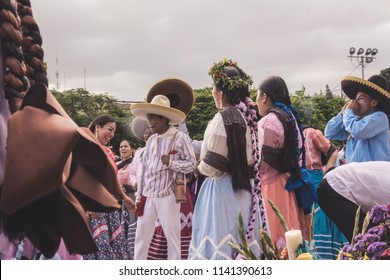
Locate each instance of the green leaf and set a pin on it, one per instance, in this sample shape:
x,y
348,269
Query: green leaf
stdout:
x,y
236,247
356,227
241,230
366,223
312,225
279,215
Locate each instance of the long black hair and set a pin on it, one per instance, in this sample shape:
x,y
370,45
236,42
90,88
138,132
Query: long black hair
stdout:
x,y
100,120
240,98
276,89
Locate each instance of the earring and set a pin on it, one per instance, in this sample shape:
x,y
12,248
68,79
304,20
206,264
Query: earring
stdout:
x,y
220,102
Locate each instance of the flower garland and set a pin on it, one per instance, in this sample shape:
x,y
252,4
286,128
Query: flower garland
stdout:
x,y
217,73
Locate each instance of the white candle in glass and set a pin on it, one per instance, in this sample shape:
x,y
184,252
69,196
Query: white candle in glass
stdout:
x,y
293,239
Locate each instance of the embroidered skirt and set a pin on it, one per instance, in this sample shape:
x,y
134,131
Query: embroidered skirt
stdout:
x,y
216,220
109,238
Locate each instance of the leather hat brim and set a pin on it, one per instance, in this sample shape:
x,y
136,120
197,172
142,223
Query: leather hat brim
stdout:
x,y
179,93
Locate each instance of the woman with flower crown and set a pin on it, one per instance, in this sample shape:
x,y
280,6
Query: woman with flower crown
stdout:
x,y
282,147
230,160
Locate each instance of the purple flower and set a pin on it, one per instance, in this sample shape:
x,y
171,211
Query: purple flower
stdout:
x,y
373,230
359,236
378,213
379,230
371,238
375,250
359,246
383,231
347,249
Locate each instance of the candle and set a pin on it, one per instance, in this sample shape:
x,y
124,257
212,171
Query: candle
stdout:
x,y
293,239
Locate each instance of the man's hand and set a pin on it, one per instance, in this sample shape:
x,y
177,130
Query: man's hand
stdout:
x,y
165,159
345,106
354,105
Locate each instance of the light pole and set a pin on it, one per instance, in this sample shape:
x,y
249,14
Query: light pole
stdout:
x,y
363,57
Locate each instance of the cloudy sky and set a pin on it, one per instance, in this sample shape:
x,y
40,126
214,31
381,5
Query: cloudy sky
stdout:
x,y
125,46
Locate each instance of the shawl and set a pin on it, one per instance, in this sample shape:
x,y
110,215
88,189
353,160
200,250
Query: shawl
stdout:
x,y
124,163
235,127
283,159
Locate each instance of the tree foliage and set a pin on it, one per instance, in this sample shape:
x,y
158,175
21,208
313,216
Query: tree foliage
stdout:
x,y
83,106
317,110
386,73
203,111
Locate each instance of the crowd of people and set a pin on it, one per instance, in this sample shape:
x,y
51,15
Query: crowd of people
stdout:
x,y
65,196
246,158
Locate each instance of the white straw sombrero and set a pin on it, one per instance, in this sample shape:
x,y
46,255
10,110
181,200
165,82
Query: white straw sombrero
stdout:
x,y
160,105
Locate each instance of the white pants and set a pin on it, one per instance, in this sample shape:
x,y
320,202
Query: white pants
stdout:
x,y
168,212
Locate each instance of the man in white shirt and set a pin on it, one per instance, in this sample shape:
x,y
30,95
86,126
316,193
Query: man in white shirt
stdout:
x,y
349,186
167,152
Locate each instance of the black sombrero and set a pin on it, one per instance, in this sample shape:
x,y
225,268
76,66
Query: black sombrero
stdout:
x,y
375,86
179,93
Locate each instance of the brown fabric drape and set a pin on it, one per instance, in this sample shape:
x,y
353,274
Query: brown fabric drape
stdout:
x,y
235,127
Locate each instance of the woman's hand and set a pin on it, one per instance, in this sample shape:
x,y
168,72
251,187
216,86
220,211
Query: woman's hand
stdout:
x,y
134,186
129,203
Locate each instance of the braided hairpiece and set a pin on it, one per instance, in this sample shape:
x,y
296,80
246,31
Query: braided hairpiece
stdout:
x,y
217,73
249,112
22,52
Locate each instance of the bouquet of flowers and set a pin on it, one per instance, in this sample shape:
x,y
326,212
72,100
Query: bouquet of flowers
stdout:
x,y
371,244
270,251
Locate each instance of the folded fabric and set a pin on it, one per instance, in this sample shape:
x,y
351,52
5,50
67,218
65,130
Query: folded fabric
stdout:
x,y
55,171
141,206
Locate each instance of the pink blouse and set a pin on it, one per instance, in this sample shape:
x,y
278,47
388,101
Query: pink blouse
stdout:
x,y
273,137
315,144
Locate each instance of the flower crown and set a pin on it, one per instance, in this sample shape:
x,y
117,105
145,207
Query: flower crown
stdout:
x,y
219,76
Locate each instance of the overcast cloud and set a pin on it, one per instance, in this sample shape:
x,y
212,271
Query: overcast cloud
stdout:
x,y
126,45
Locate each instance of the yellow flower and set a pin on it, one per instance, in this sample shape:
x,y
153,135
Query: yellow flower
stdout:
x,y
305,256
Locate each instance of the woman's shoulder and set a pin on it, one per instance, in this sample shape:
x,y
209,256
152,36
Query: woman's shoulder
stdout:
x,y
271,121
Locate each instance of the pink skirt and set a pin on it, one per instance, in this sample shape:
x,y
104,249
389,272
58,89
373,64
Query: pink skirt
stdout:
x,y
287,204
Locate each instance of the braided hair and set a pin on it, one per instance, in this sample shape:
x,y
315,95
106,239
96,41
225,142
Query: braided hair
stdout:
x,y
22,53
240,98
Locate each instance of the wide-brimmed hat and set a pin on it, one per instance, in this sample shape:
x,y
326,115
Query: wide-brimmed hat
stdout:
x,y
138,126
376,86
160,105
179,93
55,171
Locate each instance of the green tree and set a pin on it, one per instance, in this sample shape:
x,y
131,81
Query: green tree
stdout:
x,y
386,73
203,111
83,106
317,110
328,93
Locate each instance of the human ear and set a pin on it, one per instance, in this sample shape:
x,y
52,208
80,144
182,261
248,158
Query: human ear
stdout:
x,y
265,97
